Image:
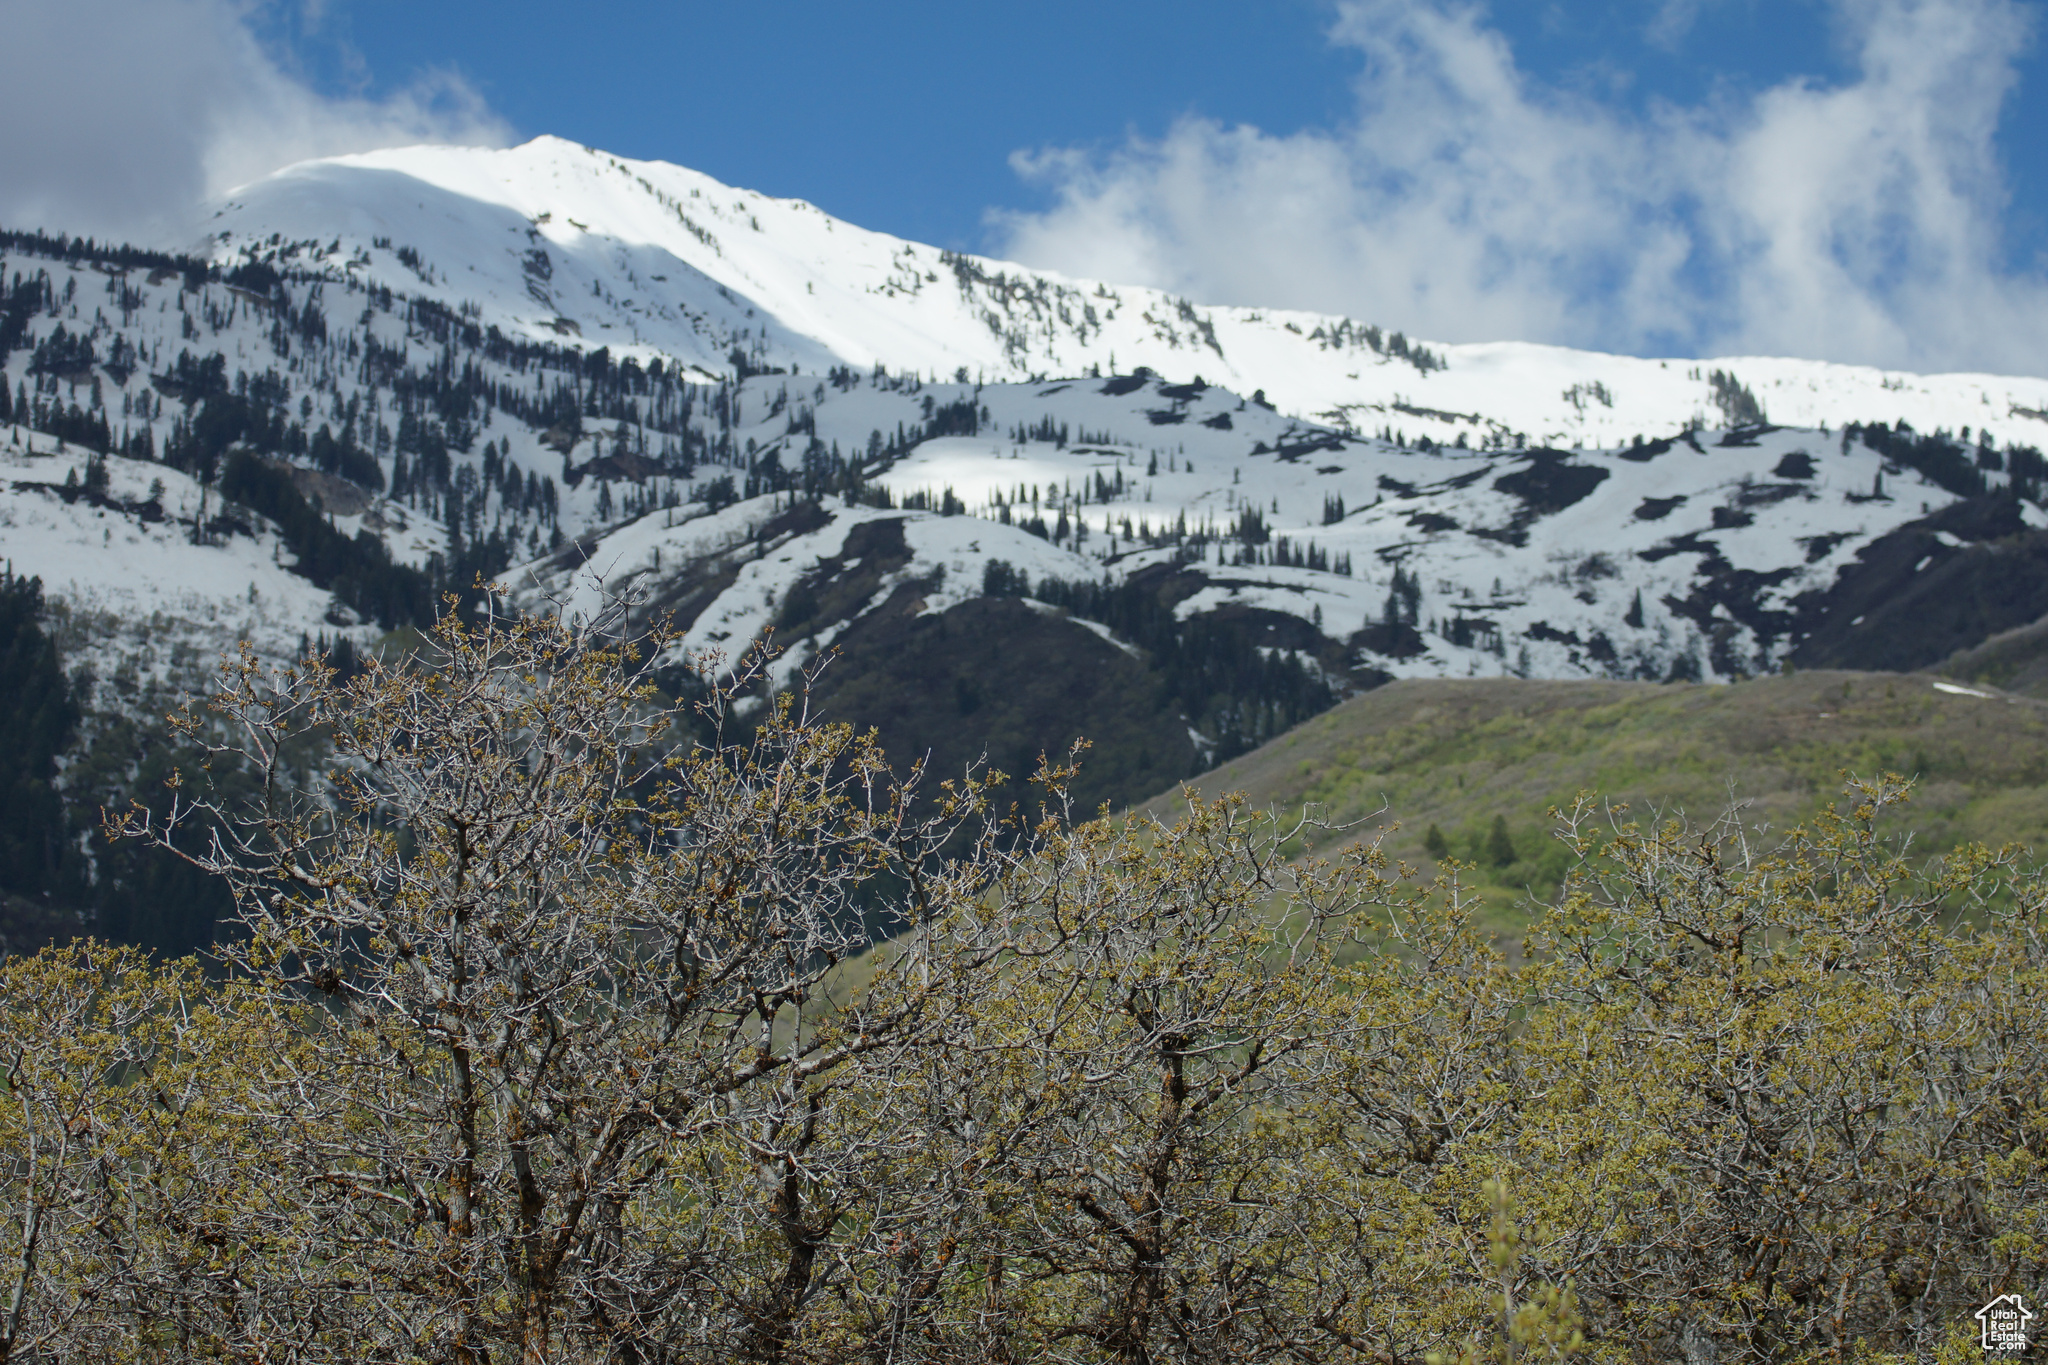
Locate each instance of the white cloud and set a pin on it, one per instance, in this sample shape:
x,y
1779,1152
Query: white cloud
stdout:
x,y
124,114
1465,201
1672,21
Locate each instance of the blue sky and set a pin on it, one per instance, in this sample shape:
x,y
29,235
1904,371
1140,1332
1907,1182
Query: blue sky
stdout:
x,y
899,117
1857,179
902,116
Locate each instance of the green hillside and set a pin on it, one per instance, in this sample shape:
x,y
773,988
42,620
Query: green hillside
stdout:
x,y
1459,755
2015,660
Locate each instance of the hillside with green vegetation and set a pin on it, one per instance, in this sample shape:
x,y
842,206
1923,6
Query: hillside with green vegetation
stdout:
x,y
1113,1092
1480,762
2013,660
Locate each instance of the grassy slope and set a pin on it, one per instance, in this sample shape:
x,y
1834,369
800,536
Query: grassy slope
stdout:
x,y
2016,660
1458,753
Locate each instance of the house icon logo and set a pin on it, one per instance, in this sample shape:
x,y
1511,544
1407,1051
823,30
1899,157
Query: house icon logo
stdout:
x,y
2005,1321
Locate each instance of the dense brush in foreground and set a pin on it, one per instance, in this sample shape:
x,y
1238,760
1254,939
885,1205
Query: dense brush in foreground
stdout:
x,y
564,1029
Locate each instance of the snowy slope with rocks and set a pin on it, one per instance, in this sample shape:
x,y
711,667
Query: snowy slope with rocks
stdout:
x,y
149,603
374,379
1690,552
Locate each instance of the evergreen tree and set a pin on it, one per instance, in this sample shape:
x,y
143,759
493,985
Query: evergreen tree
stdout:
x,y
37,719
1500,849
1435,845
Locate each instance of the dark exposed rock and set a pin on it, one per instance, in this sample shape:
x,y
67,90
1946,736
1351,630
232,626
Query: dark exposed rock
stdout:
x,y
1911,598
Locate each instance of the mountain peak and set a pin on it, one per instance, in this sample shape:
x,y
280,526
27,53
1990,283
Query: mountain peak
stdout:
x,y
552,240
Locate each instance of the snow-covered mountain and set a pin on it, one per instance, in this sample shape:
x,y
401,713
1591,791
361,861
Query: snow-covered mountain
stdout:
x,y
1530,561
554,241
1020,505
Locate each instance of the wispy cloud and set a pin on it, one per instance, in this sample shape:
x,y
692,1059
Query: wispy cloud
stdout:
x,y
126,113
1464,200
1672,21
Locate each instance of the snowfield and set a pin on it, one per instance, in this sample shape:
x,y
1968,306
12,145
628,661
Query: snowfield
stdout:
x,y
147,602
